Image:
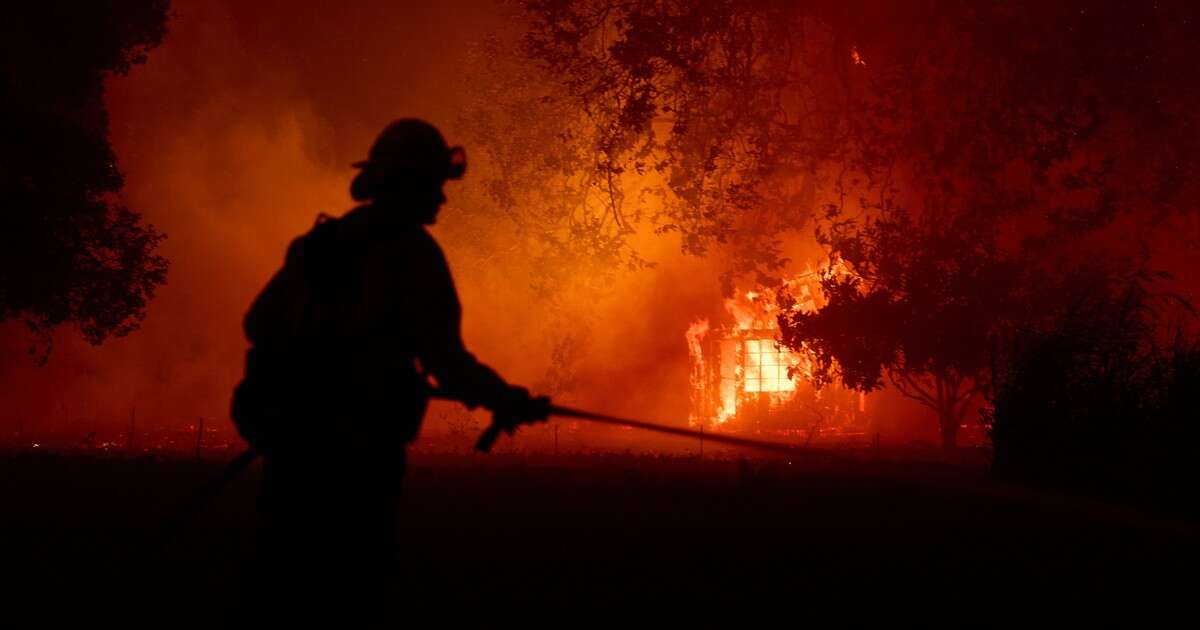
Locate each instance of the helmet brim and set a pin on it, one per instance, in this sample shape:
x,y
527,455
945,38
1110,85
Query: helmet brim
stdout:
x,y
454,168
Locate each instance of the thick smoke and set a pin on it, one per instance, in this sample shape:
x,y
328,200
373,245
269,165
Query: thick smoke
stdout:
x,y
238,131
234,135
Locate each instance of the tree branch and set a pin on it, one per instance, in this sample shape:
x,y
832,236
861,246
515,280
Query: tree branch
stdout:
x,y
911,389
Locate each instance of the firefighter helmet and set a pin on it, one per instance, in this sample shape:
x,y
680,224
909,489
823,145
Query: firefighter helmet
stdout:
x,y
415,146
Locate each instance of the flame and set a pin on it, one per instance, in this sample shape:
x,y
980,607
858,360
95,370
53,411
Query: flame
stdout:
x,y
695,334
742,376
768,366
695,338
858,60
743,359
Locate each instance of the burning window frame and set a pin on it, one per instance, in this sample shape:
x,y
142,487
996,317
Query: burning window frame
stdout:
x,y
728,388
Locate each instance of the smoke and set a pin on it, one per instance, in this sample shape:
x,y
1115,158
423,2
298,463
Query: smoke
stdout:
x,y
237,132
234,135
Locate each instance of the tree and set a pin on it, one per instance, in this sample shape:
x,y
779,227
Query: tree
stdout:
x,y
701,95
1001,162
746,106
69,250
919,306
535,205
562,219
1100,395
953,150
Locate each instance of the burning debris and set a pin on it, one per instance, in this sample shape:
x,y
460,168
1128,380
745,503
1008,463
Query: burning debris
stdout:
x,y
743,379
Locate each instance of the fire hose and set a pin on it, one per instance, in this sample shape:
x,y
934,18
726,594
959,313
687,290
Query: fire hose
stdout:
x,y
489,436
234,468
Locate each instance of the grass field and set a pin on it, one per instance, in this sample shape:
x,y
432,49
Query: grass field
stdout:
x,y
569,540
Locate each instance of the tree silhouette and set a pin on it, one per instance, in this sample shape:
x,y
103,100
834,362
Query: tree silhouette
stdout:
x,y
951,152
70,252
925,296
745,107
1101,395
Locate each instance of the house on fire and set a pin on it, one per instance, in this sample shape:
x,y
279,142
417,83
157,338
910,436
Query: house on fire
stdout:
x,y
743,380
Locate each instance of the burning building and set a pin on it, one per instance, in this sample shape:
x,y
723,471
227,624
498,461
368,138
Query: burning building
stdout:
x,y
743,379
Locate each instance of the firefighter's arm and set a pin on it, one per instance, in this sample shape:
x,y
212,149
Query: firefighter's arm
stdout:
x,y
458,373
463,377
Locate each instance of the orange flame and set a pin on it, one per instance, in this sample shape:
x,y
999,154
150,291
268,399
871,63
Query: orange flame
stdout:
x,y
744,359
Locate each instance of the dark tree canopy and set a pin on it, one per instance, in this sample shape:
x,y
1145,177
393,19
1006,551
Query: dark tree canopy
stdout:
x,y
924,297
993,140
1101,396
953,153
744,106
69,251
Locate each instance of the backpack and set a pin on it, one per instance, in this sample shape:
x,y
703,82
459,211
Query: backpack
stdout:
x,y
298,311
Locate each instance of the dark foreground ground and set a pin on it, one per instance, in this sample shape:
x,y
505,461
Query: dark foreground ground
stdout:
x,y
583,540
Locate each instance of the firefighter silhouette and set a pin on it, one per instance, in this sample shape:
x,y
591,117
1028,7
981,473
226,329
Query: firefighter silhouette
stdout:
x,y
343,341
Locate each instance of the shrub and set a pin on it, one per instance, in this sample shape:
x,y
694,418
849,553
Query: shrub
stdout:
x,y
1100,398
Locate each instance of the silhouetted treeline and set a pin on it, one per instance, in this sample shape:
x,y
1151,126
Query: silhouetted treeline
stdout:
x,y
1102,398
944,164
70,251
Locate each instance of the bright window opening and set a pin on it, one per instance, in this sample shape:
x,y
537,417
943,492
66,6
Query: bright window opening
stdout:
x,y
767,366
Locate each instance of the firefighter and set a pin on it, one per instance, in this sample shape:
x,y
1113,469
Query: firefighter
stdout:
x,y
344,339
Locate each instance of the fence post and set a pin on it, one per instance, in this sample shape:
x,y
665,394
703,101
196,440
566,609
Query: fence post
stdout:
x,y
199,436
131,444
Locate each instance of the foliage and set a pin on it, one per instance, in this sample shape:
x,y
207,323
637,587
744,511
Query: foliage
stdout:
x,y
693,94
922,300
1098,398
750,108
69,251
975,174
534,206
953,151
536,182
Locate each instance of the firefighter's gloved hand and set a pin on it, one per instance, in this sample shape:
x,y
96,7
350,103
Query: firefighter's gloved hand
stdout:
x,y
517,407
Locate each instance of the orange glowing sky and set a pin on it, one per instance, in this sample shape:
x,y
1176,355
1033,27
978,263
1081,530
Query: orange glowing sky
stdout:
x,y
241,128
235,133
